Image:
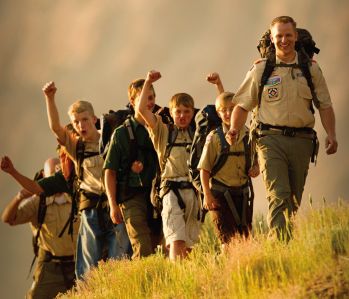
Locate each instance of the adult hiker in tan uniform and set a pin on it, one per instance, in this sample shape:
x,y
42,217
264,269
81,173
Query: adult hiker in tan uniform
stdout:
x,y
285,135
54,272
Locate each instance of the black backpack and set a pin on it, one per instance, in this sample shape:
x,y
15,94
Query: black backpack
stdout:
x,y
206,120
110,121
305,47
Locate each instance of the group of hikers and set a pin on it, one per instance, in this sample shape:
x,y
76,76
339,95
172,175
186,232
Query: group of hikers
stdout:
x,y
123,192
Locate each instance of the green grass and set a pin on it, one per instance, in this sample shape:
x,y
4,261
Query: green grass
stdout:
x,y
314,264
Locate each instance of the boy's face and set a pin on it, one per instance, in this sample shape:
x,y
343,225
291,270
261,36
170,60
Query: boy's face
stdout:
x,y
150,102
84,124
224,112
182,116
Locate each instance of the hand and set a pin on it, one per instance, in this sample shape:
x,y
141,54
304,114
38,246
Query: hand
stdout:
x,y
254,171
137,166
6,165
153,76
213,78
115,214
49,89
232,136
331,145
210,202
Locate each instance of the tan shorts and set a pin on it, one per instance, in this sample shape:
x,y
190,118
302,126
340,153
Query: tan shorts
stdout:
x,y
179,224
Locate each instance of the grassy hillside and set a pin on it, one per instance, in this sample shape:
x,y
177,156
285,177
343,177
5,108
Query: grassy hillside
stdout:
x,y
315,264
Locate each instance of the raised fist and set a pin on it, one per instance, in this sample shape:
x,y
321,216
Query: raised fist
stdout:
x,y
49,89
153,76
6,165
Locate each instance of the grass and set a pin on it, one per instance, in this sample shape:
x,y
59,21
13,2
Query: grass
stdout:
x,y
314,264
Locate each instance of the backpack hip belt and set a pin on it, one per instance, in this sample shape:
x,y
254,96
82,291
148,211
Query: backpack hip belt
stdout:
x,y
265,129
307,133
175,186
47,256
228,192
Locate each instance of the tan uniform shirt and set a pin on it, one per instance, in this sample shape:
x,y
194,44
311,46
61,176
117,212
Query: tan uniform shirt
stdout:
x,y
233,172
285,101
55,219
176,165
93,166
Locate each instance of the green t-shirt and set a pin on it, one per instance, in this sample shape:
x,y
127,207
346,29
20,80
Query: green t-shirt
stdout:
x,y
118,157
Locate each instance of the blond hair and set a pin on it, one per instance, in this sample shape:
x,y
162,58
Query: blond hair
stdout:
x,y
79,107
181,99
135,88
223,99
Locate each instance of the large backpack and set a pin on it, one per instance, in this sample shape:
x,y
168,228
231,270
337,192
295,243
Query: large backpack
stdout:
x,y
305,47
206,120
110,121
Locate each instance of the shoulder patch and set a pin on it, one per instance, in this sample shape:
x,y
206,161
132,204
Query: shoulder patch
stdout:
x,y
258,61
313,61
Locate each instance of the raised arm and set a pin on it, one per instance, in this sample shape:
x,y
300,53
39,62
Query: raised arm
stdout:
x,y
328,121
49,90
110,186
26,183
141,104
10,212
215,79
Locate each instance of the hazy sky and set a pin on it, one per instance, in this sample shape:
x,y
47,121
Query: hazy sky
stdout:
x,y
93,49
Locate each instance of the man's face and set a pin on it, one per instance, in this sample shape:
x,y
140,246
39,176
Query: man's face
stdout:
x,y
224,112
150,100
284,37
182,116
84,124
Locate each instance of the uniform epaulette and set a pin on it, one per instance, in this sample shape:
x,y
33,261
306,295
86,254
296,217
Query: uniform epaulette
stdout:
x,y
313,61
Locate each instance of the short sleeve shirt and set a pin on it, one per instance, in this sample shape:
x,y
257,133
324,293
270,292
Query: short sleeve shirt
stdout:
x,y
92,166
55,218
286,97
233,172
54,184
177,162
118,157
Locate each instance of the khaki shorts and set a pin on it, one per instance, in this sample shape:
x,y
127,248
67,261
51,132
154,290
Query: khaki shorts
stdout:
x,y
179,224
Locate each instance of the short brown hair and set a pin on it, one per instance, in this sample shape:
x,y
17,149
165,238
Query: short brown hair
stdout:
x,y
135,88
79,107
181,99
284,20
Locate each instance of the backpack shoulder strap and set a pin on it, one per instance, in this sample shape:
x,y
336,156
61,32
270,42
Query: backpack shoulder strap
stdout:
x,y
172,136
268,69
41,218
133,146
224,153
304,64
80,156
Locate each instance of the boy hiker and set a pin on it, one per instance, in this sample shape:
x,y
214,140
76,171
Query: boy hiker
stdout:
x,y
96,232
130,167
225,183
286,141
180,211
54,272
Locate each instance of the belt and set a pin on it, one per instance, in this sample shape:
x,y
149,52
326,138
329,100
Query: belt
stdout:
x,y
266,129
47,256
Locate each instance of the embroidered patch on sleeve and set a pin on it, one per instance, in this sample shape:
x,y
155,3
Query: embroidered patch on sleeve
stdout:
x,y
273,93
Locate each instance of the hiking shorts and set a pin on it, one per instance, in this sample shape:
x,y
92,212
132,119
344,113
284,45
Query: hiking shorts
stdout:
x,y
181,224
